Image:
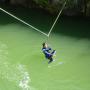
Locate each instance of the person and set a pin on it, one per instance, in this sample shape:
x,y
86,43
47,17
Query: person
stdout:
x,y
48,52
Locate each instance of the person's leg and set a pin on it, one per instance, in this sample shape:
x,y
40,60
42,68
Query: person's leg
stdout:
x,y
50,59
54,52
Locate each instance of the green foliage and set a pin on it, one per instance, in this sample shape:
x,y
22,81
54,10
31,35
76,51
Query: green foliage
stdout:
x,y
41,2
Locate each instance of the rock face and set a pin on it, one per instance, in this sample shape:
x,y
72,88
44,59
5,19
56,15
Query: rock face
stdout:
x,y
25,3
54,1
72,8
17,1
88,9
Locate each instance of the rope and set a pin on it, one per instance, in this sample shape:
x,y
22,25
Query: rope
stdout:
x,y
56,19
23,22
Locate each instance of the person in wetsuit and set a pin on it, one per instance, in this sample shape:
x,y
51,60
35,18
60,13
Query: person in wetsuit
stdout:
x,y
48,52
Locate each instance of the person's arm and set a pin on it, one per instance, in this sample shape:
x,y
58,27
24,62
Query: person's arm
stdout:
x,y
45,51
50,48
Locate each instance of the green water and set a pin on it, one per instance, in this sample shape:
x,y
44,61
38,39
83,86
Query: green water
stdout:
x,y
21,57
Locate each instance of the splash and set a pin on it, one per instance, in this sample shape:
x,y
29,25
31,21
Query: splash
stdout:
x,y
16,73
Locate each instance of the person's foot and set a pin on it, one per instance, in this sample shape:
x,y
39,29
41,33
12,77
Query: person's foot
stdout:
x,y
49,62
54,52
53,60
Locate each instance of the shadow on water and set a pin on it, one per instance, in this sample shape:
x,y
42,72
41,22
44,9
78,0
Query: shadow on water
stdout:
x,y
34,16
78,27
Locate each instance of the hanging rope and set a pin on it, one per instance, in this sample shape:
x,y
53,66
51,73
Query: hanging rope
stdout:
x,y
57,18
